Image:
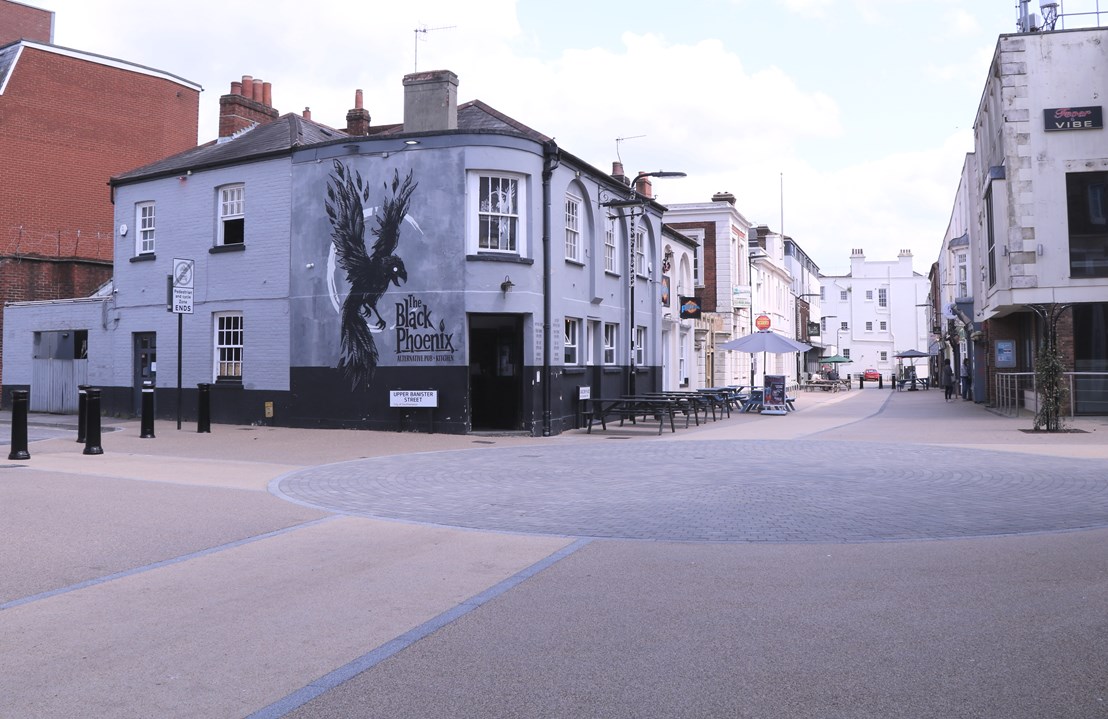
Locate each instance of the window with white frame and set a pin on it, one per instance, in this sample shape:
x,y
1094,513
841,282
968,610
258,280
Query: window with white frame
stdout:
x,y
842,295
883,355
869,327
883,325
869,295
963,275
232,215
883,297
610,332
640,253
844,326
499,218
610,257
590,343
570,355
573,228
640,346
144,224
228,346
846,353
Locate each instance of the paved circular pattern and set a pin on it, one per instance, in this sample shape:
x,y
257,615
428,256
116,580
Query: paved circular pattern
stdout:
x,y
729,491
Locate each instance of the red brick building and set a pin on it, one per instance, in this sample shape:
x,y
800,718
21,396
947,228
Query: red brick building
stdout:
x,y
69,120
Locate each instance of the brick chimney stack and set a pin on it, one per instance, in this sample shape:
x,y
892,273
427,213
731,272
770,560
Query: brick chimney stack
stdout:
x,y
249,103
645,187
357,120
618,174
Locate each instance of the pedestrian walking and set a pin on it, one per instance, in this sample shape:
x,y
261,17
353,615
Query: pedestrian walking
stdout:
x,y
946,378
967,379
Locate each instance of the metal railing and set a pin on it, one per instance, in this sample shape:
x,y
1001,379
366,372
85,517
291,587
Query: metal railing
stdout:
x,y
1015,393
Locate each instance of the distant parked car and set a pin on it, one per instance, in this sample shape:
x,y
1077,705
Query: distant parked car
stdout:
x,y
871,374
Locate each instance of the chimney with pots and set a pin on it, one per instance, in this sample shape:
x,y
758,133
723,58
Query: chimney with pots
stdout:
x,y
357,120
430,101
645,187
723,197
307,113
618,174
249,103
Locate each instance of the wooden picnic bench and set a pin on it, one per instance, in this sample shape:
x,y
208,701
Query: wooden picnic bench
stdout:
x,y
691,404
632,407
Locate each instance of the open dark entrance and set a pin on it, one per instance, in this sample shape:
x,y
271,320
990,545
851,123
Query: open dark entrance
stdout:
x,y
496,372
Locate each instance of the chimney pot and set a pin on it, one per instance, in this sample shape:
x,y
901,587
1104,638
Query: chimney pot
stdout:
x,y
307,113
248,103
357,99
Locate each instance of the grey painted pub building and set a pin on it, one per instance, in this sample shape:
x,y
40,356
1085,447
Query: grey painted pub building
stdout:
x,y
460,252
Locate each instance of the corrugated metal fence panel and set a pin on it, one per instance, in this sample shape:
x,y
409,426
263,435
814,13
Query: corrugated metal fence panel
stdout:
x,y
54,385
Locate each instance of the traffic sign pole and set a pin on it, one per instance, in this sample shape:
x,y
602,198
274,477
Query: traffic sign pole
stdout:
x,y
180,303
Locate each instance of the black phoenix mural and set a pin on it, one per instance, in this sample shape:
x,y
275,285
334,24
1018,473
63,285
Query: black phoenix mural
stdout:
x,y
368,274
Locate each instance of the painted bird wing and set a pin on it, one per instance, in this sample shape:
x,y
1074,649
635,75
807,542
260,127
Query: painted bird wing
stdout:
x,y
346,194
392,215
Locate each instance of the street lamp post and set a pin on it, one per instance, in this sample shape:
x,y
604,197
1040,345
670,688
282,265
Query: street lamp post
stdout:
x,y
636,205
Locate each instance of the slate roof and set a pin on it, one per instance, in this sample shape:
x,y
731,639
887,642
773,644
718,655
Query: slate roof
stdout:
x,y
7,61
292,132
282,136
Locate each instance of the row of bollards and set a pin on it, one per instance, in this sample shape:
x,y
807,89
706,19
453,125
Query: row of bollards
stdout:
x,y
88,418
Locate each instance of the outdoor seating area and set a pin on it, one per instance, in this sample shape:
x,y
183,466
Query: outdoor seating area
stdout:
x,y
664,407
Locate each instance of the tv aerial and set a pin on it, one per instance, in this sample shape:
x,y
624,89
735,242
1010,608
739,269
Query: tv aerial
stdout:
x,y
423,30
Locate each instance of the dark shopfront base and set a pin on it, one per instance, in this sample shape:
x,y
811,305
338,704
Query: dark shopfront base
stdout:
x,y
322,399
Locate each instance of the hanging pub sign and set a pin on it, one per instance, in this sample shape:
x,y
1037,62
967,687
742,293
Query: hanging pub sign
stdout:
x,y
1073,118
813,329
665,290
690,308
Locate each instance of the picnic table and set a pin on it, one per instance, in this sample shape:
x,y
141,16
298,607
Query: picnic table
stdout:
x,y
691,404
827,385
632,407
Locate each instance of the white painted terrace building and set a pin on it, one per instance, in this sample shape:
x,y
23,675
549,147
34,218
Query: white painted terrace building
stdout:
x,y
874,312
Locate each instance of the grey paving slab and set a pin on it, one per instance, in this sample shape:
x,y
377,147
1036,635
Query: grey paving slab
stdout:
x,y
1001,628
719,490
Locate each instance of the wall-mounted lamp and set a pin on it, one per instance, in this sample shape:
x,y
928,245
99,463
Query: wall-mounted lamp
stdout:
x,y
507,284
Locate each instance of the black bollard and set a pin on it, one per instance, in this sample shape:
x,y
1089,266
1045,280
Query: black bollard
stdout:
x,y
147,410
204,415
880,381
82,412
19,425
92,441
861,381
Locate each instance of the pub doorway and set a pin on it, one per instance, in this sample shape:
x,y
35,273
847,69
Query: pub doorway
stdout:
x,y
496,372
